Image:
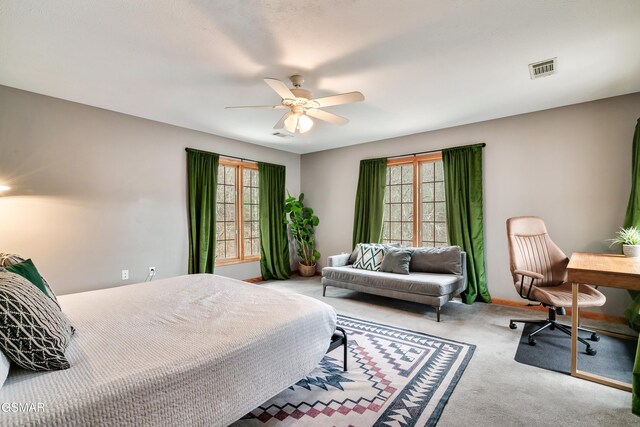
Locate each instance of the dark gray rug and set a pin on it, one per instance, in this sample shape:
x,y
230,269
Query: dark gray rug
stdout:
x,y
553,352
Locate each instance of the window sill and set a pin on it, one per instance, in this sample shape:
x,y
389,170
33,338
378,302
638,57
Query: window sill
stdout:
x,y
232,261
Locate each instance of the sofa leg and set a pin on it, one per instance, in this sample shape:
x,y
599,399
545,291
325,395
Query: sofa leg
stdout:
x,y
324,290
438,313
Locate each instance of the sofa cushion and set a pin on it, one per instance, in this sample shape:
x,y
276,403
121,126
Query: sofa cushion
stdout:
x,y
354,254
369,257
444,259
396,260
414,283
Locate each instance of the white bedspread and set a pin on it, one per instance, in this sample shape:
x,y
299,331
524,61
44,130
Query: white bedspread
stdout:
x,y
191,350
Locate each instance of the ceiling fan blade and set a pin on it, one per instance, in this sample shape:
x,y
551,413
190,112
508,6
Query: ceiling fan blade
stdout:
x,y
280,123
256,106
327,117
344,98
280,88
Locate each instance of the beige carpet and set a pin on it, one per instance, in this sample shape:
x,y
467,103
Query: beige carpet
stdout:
x,y
495,390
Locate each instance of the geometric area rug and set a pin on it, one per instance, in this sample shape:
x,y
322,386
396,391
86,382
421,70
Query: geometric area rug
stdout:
x,y
396,377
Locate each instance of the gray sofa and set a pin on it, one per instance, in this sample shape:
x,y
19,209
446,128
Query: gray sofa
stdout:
x,y
434,277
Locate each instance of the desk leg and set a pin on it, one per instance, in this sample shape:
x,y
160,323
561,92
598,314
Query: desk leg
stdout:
x,y
574,329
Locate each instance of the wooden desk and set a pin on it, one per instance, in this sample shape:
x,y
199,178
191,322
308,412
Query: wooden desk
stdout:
x,y
614,271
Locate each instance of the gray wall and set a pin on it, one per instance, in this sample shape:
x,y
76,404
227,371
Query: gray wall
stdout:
x,y
96,192
569,165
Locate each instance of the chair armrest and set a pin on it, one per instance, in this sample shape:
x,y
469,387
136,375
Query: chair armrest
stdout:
x,y
530,274
338,260
533,276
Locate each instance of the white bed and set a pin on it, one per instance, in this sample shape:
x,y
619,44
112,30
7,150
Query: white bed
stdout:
x,y
191,350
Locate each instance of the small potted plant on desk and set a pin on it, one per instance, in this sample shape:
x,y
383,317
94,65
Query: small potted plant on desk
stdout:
x,y
629,238
302,223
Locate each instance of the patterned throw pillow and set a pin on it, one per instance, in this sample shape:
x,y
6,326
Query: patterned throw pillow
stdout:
x,y
5,364
34,333
7,260
369,257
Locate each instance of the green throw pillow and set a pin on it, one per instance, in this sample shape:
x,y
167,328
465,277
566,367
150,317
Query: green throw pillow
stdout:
x,y
28,270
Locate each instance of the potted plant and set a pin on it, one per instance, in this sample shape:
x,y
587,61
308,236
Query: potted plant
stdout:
x,y
302,223
629,238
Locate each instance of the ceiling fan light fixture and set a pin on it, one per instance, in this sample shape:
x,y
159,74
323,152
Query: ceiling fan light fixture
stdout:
x,y
291,123
304,123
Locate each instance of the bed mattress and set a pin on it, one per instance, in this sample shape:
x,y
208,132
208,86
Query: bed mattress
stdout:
x,y
191,350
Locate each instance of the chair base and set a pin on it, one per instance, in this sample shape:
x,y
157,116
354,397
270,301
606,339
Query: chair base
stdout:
x,y
553,324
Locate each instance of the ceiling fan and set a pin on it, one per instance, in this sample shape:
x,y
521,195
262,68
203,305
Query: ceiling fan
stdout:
x,y
302,107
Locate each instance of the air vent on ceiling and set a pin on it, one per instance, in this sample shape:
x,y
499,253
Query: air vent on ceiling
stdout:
x,y
282,135
543,68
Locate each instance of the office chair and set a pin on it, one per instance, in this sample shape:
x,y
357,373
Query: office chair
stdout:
x,y
539,270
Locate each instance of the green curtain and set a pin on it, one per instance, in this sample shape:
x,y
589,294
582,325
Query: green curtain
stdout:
x,y
632,218
463,188
274,242
368,217
202,180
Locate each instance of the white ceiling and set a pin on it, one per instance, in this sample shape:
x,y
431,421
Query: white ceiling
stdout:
x,y
421,64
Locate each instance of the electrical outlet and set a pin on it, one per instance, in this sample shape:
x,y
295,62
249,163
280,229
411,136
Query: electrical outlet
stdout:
x,y
125,274
152,271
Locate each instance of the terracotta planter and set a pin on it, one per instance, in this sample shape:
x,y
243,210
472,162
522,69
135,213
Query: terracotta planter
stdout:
x,y
631,250
307,270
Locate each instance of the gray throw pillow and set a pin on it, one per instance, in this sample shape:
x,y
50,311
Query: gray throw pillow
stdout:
x,y
396,260
444,259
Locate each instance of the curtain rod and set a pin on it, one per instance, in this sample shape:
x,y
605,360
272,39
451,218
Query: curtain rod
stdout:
x,y
432,151
242,159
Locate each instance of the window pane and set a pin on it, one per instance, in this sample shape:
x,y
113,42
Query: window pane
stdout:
x,y
439,191
394,172
428,212
230,175
407,231
407,174
427,192
398,211
220,252
231,249
441,232
434,228
439,175
226,226
230,212
440,212
407,212
427,171
407,194
396,234
396,194
251,209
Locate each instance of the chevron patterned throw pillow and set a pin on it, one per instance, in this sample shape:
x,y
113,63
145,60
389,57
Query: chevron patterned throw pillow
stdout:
x,y
34,333
7,260
369,257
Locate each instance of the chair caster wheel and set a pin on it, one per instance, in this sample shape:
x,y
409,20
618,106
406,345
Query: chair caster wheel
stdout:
x,y
532,341
552,327
513,325
591,351
595,337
